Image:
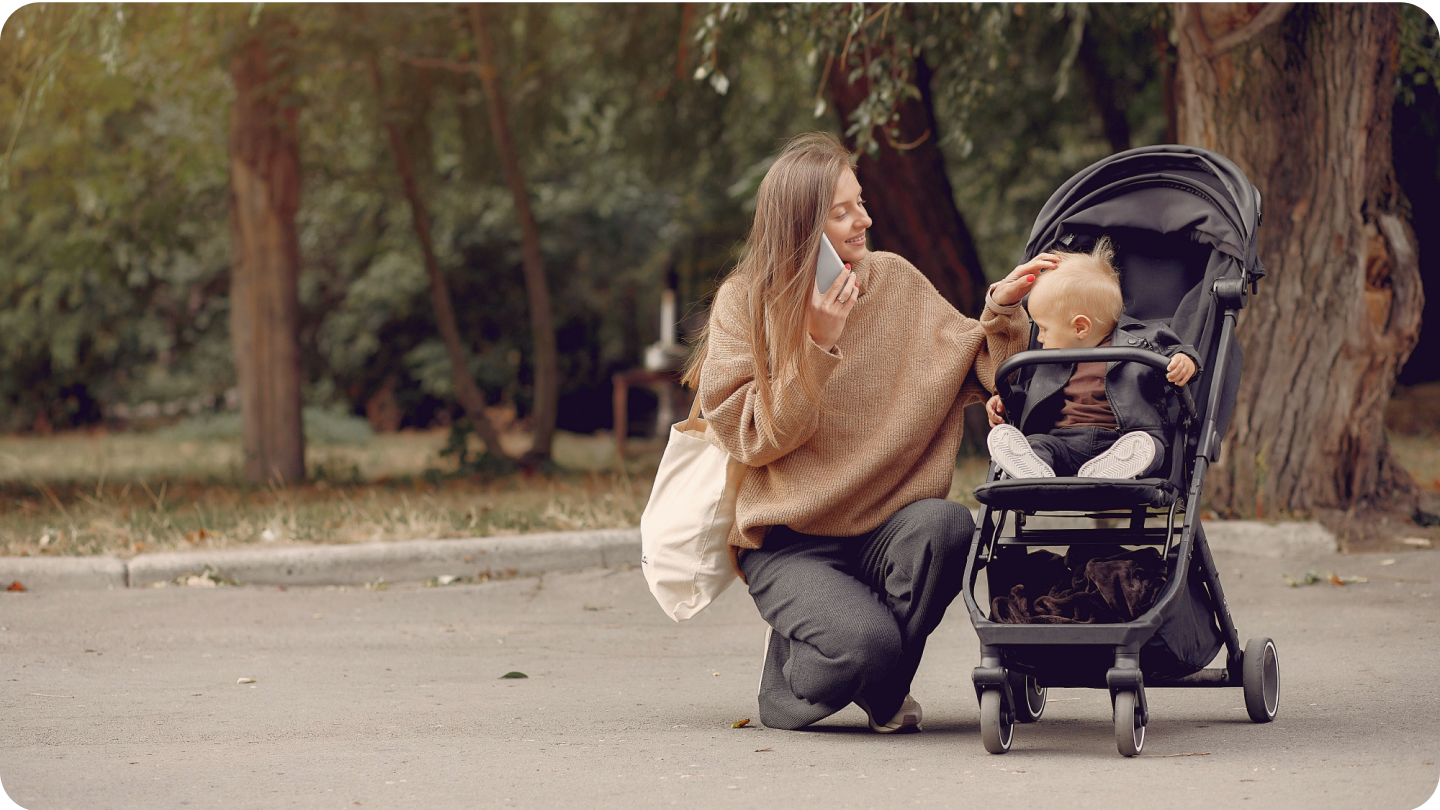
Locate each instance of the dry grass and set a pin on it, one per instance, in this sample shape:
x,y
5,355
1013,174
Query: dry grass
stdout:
x,y
121,494
82,494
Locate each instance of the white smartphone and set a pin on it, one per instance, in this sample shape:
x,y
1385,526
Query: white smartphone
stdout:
x,y
827,265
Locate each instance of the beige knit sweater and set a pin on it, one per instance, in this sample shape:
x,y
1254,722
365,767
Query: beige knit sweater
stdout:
x,y
894,387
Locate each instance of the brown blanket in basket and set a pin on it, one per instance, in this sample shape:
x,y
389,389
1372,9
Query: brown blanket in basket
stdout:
x,y
1083,587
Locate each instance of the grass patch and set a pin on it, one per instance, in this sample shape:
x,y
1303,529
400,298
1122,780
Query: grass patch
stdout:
x,y
174,490
121,494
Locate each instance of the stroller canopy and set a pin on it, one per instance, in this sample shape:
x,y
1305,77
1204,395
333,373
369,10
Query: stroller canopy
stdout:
x,y
1168,190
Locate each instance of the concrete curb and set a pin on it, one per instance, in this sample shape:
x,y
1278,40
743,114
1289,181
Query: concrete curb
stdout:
x,y
1270,540
357,564
63,573
506,556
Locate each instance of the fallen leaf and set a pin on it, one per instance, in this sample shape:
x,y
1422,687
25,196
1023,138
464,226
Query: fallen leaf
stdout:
x,y
740,723
514,675
16,587
758,750
1388,562
244,680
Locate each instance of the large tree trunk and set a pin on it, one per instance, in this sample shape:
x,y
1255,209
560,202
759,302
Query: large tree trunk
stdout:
x,y
472,399
1300,98
910,197
542,329
264,301
913,206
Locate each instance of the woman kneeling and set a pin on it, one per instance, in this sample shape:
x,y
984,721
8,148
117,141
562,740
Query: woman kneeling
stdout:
x,y
846,405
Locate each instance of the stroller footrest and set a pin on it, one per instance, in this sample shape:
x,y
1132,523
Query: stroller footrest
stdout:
x,y
1076,494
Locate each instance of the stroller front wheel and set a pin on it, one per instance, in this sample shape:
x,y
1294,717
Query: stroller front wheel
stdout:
x,y
1129,731
997,727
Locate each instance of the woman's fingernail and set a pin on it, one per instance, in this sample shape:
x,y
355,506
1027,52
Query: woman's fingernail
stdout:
x,y
1030,278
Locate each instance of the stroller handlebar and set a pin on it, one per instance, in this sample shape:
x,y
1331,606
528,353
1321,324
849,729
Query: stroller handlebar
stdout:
x,y
1038,357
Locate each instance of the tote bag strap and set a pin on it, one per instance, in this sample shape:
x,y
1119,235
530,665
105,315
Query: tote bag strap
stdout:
x,y
693,423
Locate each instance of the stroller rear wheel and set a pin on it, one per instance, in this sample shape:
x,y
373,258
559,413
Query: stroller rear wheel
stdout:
x,y
1029,697
997,727
1261,679
1129,730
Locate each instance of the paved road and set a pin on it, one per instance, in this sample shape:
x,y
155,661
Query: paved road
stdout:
x,y
392,698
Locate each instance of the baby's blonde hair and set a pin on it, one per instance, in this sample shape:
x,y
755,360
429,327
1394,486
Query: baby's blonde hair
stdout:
x,y
1083,284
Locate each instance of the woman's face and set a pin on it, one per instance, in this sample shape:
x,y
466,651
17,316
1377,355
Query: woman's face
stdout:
x,y
848,221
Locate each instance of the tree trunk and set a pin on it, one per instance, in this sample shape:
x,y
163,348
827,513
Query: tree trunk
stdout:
x,y
1300,98
910,197
471,397
537,290
264,300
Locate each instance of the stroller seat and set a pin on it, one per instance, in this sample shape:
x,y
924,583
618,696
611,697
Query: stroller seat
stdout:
x,y
1076,494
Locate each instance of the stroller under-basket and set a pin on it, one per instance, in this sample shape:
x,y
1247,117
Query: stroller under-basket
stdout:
x,y
1183,223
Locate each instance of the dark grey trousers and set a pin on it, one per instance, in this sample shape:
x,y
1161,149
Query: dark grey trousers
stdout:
x,y
851,614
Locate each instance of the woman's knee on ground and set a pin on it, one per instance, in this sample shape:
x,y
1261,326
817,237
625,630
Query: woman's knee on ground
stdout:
x,y
857,651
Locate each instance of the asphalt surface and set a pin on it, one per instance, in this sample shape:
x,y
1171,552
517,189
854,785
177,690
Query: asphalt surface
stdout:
x,y
393,698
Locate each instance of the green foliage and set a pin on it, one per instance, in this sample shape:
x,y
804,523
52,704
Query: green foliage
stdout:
x,y
113,280
1015,119
1419,52
114,222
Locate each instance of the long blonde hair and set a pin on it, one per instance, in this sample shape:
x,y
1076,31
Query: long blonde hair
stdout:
x,y
776,271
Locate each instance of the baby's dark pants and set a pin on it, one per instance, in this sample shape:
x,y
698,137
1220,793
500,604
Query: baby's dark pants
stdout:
x,y
851,614
1067,449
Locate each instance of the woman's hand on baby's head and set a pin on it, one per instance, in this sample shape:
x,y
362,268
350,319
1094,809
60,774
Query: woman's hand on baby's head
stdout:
x,y
1008,291
1181,369
995,409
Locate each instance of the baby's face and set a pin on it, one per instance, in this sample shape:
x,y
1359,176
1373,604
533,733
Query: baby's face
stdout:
x,y
1054,331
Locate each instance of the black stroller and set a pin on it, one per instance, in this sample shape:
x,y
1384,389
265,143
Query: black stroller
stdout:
x,y
1183,223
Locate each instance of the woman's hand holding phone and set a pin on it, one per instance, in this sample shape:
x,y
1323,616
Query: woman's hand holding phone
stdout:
x,y
825,319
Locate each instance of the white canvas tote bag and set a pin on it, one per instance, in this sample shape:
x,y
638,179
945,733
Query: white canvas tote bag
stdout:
x,y
687,520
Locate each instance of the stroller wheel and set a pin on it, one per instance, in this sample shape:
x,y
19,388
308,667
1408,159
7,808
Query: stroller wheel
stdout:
x,y
997,727
1129,732
1261,679
1029,697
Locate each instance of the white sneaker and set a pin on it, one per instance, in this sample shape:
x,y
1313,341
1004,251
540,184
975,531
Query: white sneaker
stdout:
x,y
764,656
1129,456
1010,450
907,719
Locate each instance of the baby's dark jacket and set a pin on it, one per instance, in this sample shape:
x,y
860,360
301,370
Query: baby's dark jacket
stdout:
x,y
1136,392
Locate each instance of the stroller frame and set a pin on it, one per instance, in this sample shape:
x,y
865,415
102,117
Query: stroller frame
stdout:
x,y
1010,682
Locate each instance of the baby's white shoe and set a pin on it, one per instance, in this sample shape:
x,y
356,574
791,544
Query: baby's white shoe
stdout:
x,y
1010,450
1129,456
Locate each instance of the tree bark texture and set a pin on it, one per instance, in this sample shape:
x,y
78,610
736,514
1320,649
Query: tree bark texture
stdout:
x,y
472,399
911,201
264,300
542,329
1301,99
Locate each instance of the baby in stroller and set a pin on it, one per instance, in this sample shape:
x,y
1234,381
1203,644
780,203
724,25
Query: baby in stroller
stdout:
x,y
1098,422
